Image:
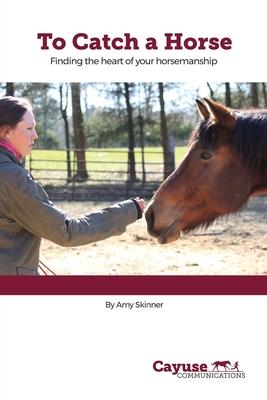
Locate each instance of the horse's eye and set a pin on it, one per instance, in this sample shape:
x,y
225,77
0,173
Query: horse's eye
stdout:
x,y
206,155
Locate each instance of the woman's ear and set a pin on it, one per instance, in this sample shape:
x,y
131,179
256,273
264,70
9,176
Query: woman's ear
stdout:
x,y
5,133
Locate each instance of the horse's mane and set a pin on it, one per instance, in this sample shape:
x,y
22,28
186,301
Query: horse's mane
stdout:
x,y
249,138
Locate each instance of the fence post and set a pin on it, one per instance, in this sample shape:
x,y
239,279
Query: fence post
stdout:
x,y
30,163
73,175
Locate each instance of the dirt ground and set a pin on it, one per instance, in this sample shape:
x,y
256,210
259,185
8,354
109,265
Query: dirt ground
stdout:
x,y
235,246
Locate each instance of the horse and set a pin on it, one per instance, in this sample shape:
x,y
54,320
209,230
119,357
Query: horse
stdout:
x,y
225,165
218,364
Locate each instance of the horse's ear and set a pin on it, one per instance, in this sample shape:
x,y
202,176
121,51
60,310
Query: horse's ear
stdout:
x,y
202,109
221,114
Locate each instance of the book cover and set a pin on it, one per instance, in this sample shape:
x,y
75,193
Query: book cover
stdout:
x,y
163,310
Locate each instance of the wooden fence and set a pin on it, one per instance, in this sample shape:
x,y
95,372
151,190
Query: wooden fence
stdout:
x,y
108,174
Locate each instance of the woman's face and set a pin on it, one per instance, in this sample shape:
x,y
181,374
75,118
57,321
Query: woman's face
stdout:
x,y
23,135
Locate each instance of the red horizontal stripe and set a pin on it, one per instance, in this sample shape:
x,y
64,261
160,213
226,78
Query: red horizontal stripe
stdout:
x,y
134,285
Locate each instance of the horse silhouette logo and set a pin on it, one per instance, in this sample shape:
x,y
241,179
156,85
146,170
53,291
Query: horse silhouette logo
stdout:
x,y
223,364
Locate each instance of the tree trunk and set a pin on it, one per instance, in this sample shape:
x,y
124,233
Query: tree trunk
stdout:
x,y
64,115
264,94
10,89
254,94
211,92
79,138
228,101
142,145
131,144
148,89
45,111
168,151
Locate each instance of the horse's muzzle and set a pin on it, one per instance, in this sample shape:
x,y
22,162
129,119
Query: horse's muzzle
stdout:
x,y
164,234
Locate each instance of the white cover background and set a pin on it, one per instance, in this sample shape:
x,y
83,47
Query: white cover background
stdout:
x,y
74,348
22,59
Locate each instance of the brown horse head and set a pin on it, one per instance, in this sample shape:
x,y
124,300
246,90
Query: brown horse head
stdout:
x,y
225,164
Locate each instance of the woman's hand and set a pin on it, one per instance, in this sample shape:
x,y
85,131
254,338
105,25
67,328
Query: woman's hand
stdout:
x,y
141,203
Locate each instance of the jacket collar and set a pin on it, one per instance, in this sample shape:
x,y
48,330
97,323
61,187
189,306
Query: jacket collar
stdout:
x,y
10,155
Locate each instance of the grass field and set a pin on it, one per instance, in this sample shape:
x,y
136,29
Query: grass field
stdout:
x,y
102,164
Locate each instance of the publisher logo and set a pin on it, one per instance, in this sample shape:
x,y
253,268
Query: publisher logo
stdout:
x,y
214,370
225,364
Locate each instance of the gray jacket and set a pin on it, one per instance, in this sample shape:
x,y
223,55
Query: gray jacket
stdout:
x,y
27,215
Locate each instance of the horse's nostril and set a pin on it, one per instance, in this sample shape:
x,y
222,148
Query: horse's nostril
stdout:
x,y
150,218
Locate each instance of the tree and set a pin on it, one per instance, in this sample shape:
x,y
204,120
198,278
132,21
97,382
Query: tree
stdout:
x,y
264,94
228,101
131,144
211,91
63,109
168,153
149,96
254,94
79,138
142,144
45,114
10,90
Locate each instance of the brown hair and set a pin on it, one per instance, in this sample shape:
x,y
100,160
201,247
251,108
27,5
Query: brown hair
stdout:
x,y
12,110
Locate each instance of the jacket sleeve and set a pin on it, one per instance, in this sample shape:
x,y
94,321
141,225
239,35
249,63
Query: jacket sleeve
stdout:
x,y
28,204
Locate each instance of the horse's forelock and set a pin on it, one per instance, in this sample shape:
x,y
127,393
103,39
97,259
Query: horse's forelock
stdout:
x,y
249,138
205,133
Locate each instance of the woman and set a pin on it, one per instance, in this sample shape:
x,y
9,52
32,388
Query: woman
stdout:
x,y
27,214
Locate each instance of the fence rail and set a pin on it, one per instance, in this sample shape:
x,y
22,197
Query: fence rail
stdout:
x,y
62,182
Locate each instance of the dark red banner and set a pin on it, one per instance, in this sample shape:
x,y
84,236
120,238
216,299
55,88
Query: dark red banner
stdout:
x,y
134,285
